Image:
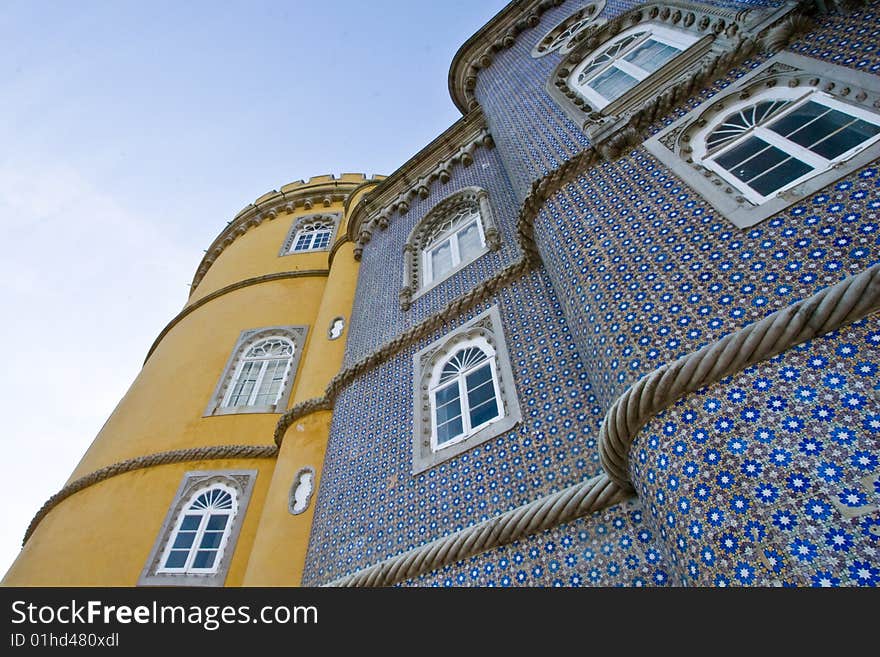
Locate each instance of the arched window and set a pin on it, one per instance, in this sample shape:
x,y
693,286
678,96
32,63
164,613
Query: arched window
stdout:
x,y
260,371
766,145
202,531
784,131
456,240
195,545
464,394
456,231
314,237
261,374
464,391
628,59
313,232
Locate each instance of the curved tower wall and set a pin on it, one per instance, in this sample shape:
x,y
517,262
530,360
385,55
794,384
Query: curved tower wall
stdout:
x,y
611,261
103,534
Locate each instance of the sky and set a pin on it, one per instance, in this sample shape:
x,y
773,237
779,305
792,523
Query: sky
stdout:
x,y
131,132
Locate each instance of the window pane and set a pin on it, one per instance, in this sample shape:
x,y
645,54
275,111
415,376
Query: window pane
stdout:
x,y
447,394
190,523
217,522
484,412
270,386
791,169
184,540
204,559
441,259
446,432
480,376
303,242
849,137
447,411
480,394
176,558
612,83
751,158
322,239
243,387
651,55
469,242
211,540
797,119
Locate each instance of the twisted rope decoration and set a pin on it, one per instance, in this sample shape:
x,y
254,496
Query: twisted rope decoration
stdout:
x,y
546,512
161,458
827,310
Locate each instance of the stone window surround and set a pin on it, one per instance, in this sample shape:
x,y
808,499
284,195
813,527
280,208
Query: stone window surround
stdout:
x,y
591,12
295,334
194,483
673,145
488,326
417,242
720,32
306,220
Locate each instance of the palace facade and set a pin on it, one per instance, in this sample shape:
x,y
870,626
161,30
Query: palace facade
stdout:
x,y
616,326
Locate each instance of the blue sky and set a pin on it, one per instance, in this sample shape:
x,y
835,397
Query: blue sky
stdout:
x,y
130,133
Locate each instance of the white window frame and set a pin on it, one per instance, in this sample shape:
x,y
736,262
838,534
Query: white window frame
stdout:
x,y
312,230
660,33
467,430
205,515
485,332
448,235
799,96
193,484
261,375
220,398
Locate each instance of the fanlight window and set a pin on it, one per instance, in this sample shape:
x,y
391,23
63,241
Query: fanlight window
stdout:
x,y
198,540
261,375
630,58
455,241
770,146
465,396
314,237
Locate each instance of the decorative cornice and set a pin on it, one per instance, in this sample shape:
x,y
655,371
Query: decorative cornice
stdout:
x,y
478,52
544,513
829,309
434,162
265,278
318,191
212,452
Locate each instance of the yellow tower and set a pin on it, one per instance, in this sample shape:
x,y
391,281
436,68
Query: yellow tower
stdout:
x,y
186,483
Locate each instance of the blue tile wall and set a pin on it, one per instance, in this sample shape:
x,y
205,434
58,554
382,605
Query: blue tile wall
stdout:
x,y
613,547
532,133
746,482
376,316
370,507
772,476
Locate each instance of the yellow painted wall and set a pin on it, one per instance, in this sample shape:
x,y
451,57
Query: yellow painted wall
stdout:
x,y
256,253
103,534
306,439
163,408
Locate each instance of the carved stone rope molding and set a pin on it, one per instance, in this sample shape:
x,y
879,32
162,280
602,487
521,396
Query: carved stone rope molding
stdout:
x,y
829,309
212,452
549,511
256,280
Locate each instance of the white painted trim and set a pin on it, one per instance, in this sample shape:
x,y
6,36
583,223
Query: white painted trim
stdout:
x,y
818,163
671,37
